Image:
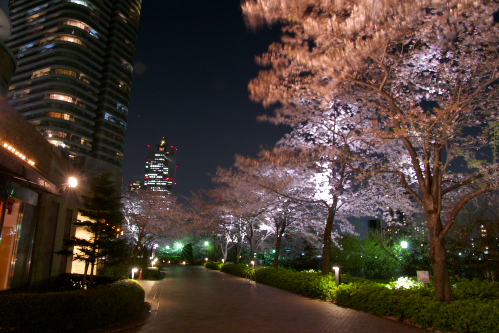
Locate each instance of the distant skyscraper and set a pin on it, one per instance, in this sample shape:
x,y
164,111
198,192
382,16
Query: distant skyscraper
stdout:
x,y
74,74
160,167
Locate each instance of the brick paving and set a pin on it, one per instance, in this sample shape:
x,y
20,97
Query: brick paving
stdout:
x,y
194,299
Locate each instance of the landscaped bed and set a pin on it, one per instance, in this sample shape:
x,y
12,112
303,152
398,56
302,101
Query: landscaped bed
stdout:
x,y
474,310
71,311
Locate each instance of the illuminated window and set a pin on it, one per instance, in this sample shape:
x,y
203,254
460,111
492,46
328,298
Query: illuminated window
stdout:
x,y
55,134
65,71
61,97
21,94
124,86
123,17
122,108
127,65
81,2
82,26
26,47
86,142
64,116
36,10
58,143
69,39
115,120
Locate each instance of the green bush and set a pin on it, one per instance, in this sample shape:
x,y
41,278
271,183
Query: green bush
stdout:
x,y
475,289
307,283
419,306
151,273
475,310
71,311
213,265
75,282
235,269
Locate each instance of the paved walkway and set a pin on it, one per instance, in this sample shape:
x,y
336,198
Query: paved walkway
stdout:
x,y
192,299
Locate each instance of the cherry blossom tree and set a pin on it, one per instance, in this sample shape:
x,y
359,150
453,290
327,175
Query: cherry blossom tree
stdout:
x,y
151,216
242,207
421,72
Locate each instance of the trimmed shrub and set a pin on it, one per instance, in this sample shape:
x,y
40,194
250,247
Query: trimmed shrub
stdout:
x,y
75,282
213,265
419,306
151,273
307,283
236,269
72,311
475,310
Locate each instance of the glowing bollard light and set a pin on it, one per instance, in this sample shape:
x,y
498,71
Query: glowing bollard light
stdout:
x,y
337,274
134,270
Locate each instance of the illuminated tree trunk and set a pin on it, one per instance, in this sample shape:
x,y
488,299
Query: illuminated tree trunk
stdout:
x,y
239,248
326,247
278,242
438,257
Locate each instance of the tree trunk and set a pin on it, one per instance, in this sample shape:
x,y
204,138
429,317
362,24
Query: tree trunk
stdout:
x,y
84,282
239,248
326,247
438,257
277,249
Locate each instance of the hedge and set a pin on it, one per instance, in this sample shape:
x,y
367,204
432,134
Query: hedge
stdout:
x,y
71,311
236,269
418,306
214,265
475,309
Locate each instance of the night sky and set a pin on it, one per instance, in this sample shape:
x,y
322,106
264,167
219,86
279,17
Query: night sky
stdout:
x,y
194,61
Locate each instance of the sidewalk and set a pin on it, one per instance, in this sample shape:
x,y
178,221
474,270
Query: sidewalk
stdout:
x,y
194,299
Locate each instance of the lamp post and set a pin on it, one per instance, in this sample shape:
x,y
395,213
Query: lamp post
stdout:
x,y
336,269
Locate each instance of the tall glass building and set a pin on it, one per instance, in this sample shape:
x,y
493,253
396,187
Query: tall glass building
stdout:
x,y
160,167
74,73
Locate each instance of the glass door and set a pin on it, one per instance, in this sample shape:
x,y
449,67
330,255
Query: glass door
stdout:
x,y
11,211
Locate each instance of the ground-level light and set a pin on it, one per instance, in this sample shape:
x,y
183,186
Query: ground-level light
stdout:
x,y
337,274
134,270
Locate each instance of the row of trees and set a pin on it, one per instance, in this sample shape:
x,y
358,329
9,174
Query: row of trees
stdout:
x,y
401,89
390,103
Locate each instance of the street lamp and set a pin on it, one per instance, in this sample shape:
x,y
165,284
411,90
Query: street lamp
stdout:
x,y
72,182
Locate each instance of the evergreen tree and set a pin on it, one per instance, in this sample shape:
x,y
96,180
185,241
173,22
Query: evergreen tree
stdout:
x,y
103,208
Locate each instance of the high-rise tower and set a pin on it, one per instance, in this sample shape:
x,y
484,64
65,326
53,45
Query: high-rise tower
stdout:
x,y
74,74
7,60
160,167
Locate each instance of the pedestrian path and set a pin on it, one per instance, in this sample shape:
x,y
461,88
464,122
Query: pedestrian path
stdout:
x,y
193,299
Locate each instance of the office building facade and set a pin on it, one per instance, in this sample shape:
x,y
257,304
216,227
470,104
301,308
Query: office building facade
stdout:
x,y
73,82
160,167
37,204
